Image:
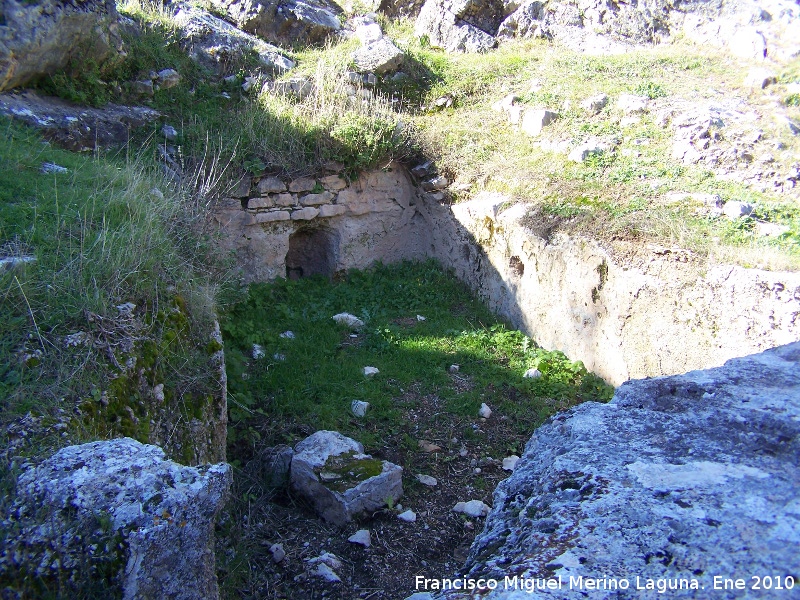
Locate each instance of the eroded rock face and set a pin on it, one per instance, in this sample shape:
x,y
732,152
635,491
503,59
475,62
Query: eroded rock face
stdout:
x,y
155,519
284,21
663,312
332,472
683,477
38,38
218,45
460,25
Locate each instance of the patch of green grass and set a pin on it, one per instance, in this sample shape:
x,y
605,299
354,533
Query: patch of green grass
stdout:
x,y
313,378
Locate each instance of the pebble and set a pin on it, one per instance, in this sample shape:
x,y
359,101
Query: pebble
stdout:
x,y
370,371
510,462
454,368
463,452
473,508
325,572
258,351
427,446
361,537
409,516
420,318
485,411
532,374
278,553
477,471
288,335
427,480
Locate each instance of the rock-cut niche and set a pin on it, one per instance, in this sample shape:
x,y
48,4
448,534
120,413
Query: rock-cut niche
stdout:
x,y
312,252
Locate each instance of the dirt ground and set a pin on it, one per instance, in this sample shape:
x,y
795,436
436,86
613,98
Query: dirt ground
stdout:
x,y
467,466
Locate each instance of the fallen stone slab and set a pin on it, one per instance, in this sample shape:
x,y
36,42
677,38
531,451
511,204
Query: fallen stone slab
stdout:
x,y
77,128
154,517
677,479
334,475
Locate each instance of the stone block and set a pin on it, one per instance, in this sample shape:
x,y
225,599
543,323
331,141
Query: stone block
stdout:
x,y
256,203
284,200
304,184
271,185
333,183
305,214
331,210
332,472
316,199
270,217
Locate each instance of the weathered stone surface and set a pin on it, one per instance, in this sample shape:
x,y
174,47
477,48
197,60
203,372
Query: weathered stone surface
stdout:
x,y
332,472
305,214
683,477
333,183
331,210
272,216
39,38
655,316
77,128
348,319
164,512
302,184
379,57
284,200
284,21
255,203
316,199
533,121
460,25
271,185
218,45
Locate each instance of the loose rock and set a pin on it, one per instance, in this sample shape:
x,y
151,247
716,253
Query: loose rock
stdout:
x,y
361,537
349,320
427,480
408,516
485,411
473,508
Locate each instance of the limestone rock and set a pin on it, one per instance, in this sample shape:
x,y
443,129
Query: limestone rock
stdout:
x,y
408,516
379,57
532,374
361,537
331,210
284,22
510,462
584,151
163,511
760,78
370,371
273,216
332,472
271,185
427,480
533,121
168,78
359,408
302,184
351,321
485,411
459,26
473,508
697,469
316,199
217,44
305,214
76,128
734,209
631,104
278,553
39,38
595,104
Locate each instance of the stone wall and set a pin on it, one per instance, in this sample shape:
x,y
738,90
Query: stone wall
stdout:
x,y
291,228
654,311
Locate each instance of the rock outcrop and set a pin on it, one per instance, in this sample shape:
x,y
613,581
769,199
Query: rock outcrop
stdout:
x,y
118,514
332,472
286,22
219,45
675,481
654,311
747,28
40,37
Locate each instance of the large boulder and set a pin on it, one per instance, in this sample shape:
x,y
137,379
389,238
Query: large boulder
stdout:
x,y
332,472
677,480
39,37
288,22
219,45
116,514
460,25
